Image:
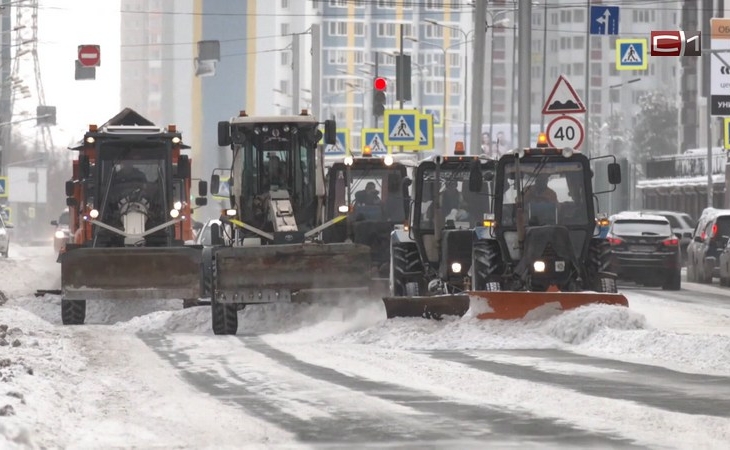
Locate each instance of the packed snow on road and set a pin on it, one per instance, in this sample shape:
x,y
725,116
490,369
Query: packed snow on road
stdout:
x,y
151,374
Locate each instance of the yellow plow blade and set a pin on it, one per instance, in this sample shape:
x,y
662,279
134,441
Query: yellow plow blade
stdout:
x,y
508,305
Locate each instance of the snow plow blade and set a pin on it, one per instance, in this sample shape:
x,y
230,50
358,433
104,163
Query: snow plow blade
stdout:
x,y
427,307
122,273
509,305
503,305
297,272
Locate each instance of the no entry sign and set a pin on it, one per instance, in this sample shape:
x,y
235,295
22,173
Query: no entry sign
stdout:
x,y
89,55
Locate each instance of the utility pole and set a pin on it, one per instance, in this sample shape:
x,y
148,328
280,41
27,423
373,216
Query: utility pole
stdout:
x,y
477,97
544,58
524,121
295,73
586,91
5,102
368,111
316,71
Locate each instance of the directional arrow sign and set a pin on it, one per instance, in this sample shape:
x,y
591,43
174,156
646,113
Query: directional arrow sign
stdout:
x,y
89,55
565,131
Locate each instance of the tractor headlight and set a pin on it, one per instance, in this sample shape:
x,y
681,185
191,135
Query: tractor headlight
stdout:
x,y
231,212
388,160
349,160
343,209
60,234
456,267
174,213
567,152
94,213
90,140
177,205
539,266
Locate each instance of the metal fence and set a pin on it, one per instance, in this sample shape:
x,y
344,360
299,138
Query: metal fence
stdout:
x,y
676,166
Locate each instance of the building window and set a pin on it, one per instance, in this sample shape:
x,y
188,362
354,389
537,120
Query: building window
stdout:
x,y
554,19
578,42
612,69
536,19
386,30
284,29
338,28
434,4
284,58
499,43
337,3
614,96
564,43
595,42
499,96
536,46
284,4
578,69
455,88
553,45
554,72
566,16
565,69
433,31
536,71
359,29
284,86
596,96
454,59
640,15
578,16
386,4
595,69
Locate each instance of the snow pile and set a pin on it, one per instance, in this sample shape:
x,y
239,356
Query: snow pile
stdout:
x,y
26,267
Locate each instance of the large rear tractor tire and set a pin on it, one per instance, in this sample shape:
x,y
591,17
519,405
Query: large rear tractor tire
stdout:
x,y
406,263
487,265
224,317
73,312
598,264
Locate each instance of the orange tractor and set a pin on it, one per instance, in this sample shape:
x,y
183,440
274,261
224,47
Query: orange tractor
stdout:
x,y
537,248
130,209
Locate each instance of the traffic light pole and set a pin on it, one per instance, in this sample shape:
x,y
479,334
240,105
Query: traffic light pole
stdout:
x,y
375,116
400,81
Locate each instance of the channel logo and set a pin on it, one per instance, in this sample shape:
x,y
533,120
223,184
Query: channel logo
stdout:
x,y
676,43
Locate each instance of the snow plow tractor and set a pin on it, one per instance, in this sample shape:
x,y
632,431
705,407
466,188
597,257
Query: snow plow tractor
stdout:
x,y
431,258
130,218
370,191
272,249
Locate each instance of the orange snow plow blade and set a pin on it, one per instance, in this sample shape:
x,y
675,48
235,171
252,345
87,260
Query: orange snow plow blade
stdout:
x,y
509,305
501,305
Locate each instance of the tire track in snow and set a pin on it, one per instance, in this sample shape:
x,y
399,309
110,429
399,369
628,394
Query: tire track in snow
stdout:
x,y
503,426
336,425
641,383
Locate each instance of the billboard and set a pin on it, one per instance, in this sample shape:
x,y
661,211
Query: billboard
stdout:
x,y
27,184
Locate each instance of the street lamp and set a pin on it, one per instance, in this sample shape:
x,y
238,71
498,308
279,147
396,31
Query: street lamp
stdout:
x,y
465,34
491,26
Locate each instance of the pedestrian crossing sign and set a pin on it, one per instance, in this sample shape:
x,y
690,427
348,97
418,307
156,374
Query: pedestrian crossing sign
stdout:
x,y
425,133
342,145
3,187
373,137
436,113
400,127
631,54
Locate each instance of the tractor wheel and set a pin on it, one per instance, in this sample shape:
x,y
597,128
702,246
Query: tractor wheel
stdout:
x,y
406,261
607,285
224,317
73,312
486,264
599,260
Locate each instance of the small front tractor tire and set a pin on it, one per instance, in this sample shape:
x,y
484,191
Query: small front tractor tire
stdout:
x,y
406,263
486,265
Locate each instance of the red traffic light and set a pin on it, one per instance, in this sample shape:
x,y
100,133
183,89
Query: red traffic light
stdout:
x,y
380,84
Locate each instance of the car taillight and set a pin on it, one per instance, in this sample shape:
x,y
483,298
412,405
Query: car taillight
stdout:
x,y
671,242
615,241
714,231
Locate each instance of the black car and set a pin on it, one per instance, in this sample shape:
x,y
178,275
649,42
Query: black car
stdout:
x,y
682,224
645,250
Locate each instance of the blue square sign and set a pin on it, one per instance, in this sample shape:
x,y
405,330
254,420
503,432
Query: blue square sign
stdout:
x,y
604,20
3,187
400,127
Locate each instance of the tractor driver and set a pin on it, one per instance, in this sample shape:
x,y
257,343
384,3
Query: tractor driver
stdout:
x,y
540,192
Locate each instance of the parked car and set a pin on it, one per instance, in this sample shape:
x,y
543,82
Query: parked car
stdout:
x,y
62,234
644,250
4,237
682,225
709,239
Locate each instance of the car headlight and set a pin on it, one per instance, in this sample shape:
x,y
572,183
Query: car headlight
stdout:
x,y
174,213
539,266
94,213
60,234
456,267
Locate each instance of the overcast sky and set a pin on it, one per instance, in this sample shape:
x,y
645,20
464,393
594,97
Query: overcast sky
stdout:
x,y
63,25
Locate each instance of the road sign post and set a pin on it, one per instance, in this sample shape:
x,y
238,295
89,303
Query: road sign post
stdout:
x,y
565,131
89,55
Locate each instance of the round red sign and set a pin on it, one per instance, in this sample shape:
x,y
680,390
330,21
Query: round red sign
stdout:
x,y
89,55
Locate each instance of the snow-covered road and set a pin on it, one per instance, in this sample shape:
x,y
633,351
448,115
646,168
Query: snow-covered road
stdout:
x,y
148,375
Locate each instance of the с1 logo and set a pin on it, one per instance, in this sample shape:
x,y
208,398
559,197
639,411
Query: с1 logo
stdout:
x,y
676,43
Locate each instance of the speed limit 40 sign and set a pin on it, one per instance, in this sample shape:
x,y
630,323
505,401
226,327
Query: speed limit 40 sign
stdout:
x,y
565,131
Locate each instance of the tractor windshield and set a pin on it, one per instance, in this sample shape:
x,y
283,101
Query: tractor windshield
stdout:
x,y
376,192
133,175
460,207
553,193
